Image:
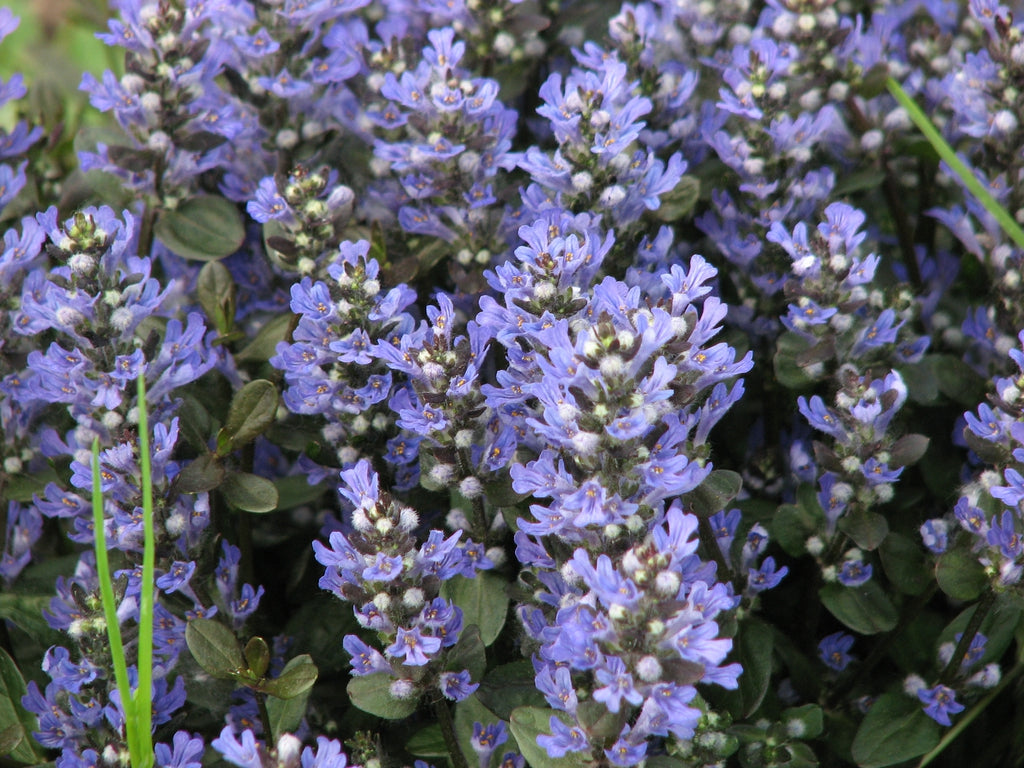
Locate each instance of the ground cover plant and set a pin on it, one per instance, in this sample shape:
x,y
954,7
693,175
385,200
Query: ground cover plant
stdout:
x,y
553,384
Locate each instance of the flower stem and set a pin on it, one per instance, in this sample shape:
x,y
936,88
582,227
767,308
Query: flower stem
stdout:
x,y
451,740
973,625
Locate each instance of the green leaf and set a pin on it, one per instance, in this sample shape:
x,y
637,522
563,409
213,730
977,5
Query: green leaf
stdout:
x,y
865,609
679,203
194,422
752,647
250,493
204,473
23,487
371,693
960,575
499,492
922,385
427,742
895,730
296,679
806,722
25,611
295,490
873,81
904,564
203,228
526,724
509,686
483,600
18,724
788,372
286,714
468,654
253,409
257,656
957,380
264,346
867,529
800,756
216,291
711,496
908,450
793,524
318,627
215,648
858,181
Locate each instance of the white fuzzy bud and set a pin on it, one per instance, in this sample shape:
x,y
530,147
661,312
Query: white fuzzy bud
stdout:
x,y
497,556
544,291
912,684
471,487
408,519
402,689
667,583
872,140
442,474
582,181
413,599
648,669
456,520
288,750
814,546
612,196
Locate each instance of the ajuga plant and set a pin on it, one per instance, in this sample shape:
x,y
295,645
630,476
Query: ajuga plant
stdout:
x,y
535,383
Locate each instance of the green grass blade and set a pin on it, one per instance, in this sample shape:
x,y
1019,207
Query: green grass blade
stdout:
x,y
1006,221
144,694
110,605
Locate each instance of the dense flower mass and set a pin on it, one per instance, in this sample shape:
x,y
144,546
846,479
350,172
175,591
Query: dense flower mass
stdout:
x,y
607,353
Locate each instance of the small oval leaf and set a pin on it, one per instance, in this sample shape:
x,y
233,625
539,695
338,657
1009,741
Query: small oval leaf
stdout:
x,y
250,493
252,412
372,693
204,228
295,680
215,647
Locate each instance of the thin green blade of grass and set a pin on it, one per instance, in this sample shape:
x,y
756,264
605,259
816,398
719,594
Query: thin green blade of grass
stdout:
x,y
110,604
144,694
925,125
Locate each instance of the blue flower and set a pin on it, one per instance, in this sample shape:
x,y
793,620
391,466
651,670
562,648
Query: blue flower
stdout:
x,y
563,739
413,647
834,650
765,577
940,702
854,573
616,685
456,685
365,660
186,752
245,753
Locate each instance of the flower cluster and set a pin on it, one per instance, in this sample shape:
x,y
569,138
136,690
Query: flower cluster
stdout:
x,y
441,137
393,582
865,458
329,366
